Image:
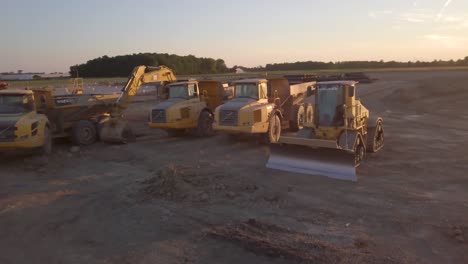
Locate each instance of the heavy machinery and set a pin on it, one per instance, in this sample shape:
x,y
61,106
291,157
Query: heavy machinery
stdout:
x,y
189,107
116,128
29,119
266,106
335,143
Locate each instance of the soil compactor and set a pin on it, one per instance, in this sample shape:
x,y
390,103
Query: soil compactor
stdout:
x,y
189,107
266,107
336,141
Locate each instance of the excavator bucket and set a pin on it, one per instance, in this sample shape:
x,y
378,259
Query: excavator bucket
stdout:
x,y
116,131
302,158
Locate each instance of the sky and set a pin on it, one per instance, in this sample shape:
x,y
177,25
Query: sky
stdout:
x,y
51,35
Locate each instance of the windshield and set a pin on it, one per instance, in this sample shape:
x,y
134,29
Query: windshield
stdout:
x,y
14,104
182,91
330,98
249,90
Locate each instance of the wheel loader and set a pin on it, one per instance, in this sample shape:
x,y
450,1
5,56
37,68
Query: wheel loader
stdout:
x,y
266,107
336,141
189,107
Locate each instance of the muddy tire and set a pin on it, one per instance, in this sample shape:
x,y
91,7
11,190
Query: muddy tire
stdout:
x,y
274,129
375,138
205,124
84,133
175,132
46,148
359,153
299,115
127,135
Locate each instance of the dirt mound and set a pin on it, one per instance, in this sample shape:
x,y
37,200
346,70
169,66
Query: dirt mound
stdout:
x,y
175,183
277,242
459,233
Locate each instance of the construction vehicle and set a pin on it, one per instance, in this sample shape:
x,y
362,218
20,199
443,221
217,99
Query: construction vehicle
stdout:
x,y
335,143
266,107
189,107
116,129
29,119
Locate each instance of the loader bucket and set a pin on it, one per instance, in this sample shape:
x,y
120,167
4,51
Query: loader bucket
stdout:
x,y
332,163
116,131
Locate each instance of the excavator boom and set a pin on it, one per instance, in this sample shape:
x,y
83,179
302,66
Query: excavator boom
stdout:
x,y
116,129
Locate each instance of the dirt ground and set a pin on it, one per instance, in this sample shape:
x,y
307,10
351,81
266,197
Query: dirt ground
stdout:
x,y
186,200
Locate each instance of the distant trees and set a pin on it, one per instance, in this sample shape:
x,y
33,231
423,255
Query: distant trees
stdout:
x,y
121,66
317,65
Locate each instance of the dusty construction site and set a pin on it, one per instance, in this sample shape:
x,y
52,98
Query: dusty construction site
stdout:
x,y
211,200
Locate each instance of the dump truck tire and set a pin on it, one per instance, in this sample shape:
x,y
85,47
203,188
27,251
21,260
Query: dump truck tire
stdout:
x,y
274,129
205,124
299,115
46,148
84,133
309,114
375,137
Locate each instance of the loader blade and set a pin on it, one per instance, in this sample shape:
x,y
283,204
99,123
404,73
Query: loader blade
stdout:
x,y
116,131
332,163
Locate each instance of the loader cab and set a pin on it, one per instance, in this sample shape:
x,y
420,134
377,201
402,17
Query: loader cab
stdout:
x,y
332,100
255,89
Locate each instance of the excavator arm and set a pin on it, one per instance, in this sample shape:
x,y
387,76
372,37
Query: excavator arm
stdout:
x,y
141,75
116,129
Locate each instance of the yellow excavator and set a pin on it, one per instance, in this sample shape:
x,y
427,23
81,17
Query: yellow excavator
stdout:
x,y
116,128
336,141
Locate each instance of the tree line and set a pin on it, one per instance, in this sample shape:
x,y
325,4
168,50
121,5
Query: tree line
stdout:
x,y
120,66
316,65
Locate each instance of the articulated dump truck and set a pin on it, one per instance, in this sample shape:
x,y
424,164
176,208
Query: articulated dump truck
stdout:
x,y
190,107
29,119
266,107
336,140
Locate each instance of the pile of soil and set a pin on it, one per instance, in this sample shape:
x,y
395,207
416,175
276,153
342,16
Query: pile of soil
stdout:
x,y
277,242
176,183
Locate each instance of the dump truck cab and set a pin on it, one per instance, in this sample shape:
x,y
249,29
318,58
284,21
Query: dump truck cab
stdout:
x,y
189,106
264,106
21,126
248,111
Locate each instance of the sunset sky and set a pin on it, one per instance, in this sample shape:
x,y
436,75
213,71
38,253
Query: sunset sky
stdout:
x,y
51,35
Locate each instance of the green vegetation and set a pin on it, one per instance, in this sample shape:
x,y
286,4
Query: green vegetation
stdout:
x,y
355,65
121,66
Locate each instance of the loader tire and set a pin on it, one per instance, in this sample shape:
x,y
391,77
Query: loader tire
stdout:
x,y
205,124
127,135
84,133
299,115
375,138
359,153
46,148
274,129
